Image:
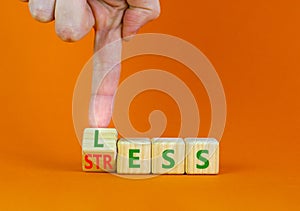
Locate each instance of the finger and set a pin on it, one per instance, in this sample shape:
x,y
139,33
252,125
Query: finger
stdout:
x,y
106,76
102,101
138,14
73,19
42,10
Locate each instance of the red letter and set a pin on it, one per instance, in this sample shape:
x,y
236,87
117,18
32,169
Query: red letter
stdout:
x,y
106,160
86,158
97,156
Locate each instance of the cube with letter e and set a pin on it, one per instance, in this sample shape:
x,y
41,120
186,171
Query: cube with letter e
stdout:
x,y
134,156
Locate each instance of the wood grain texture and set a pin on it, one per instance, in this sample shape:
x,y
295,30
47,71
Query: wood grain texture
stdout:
x,y
99,149
168,155
99,161
134,156
202,156
108,133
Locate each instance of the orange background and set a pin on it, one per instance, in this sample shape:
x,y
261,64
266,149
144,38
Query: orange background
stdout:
x,y
254,46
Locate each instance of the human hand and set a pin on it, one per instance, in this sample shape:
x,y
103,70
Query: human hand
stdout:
x,y
111,20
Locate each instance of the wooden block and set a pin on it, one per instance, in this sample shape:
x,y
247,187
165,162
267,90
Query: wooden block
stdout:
x,y
202,156
134,156
99,149
168,155
106,133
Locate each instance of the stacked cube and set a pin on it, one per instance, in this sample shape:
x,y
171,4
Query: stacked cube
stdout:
x,y
99,150
103,152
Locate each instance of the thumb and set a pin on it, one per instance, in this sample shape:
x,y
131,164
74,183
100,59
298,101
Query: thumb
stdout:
x,y
138,14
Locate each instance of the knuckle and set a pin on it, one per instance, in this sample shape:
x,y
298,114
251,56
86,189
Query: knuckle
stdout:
x,y
70,30
41,13
68,33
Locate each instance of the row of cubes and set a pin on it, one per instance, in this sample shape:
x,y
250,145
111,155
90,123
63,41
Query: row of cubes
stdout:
x,y
103,152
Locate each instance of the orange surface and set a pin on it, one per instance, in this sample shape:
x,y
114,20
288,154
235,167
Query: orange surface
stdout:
x,y
254,46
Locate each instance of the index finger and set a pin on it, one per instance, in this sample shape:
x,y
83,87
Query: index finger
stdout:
x,y
106,73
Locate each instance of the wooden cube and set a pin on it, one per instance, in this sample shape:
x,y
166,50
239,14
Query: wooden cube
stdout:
x,y
99,149
134,156
202,156
168,155
101,133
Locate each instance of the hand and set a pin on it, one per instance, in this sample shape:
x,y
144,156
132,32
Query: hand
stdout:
x,y
112,20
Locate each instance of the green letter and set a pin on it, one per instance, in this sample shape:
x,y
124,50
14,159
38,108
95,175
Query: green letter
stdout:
x,y
96,144
203,159
132,158
169,159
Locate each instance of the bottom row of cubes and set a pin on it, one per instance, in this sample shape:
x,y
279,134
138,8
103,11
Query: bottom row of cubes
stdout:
x,y
102,152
